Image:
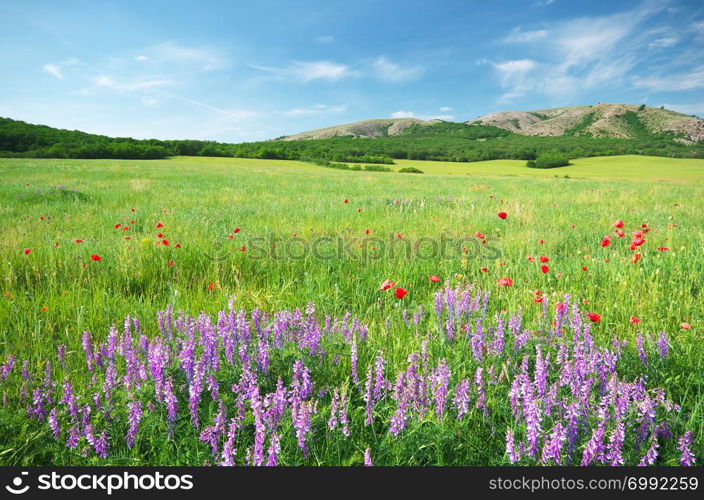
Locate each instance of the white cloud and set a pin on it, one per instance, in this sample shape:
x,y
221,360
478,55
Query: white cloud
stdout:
x,y
307,71
315,110
518,36
411,114
388,71
445,109
109,82
205,59
664,42
402,114
141,58
53,70
679,81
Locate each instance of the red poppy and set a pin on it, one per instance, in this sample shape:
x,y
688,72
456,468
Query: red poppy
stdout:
x,y
131,222
594,317
479,235
95,257
606,242
178,245
620,233
243,248
541,242
237,230
118,226
685,326
484,269
531,259
165,242
345,201
433,278
544,259
502,215
538,299
78,241
367,231
634,321
618,224
399,236
663,249
386,285
545,269
230,237
505,282
160,235
41,218
27,251
637,241
584,268
126,228
635,258
171,263
359,210
211,285
159,224
401,292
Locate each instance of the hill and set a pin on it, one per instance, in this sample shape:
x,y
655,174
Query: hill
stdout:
x,y
601,120
366,128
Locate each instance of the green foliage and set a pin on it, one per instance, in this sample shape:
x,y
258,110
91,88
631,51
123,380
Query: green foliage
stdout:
x,y
551,159
410,170
530,164
376,168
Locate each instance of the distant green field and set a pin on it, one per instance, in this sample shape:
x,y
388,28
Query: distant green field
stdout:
x,y
53,291
631,167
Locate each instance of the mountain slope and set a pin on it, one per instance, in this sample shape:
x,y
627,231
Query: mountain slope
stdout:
x,y
383,127
601,120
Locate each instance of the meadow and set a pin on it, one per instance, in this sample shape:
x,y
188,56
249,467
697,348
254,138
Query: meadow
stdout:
x,y
471,353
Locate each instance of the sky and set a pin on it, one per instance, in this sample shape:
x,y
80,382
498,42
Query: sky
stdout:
x,y
237,71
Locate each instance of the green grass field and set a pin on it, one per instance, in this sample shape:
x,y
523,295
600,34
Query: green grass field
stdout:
x,y
54,293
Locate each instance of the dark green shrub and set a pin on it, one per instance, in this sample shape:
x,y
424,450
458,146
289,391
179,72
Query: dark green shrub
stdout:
x,y
530,164
551,160
376,168
410,170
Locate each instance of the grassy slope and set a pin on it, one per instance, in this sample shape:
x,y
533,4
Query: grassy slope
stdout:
x,y
201,200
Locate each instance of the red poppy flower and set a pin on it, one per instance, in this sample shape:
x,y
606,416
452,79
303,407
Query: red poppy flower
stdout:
x,y
165,242
118,226
237,230
359,210
685,326
541,242
620,233
618,224
484,269
531,259
131,222
505,282
171,263
637,241
211,285
386,285
159,225
544,259
230,237
538,299
78,241
95,257
41,218
160,235
27,251
345,201
634,321
584,268
479,235
545,269
663,249
401,292
126,228
178,245
635,258
538,292
243,248
433,278
502,215
367,231
606,242
594,317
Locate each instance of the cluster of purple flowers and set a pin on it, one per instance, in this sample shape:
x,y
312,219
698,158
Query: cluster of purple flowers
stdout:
x,y
243,381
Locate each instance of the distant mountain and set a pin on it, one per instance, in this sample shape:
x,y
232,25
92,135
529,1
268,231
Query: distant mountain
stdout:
x,y
621,121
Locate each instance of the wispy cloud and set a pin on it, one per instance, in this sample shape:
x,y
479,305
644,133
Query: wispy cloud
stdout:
x,y
314,110
679,81
411,114
53,70
578,54
688,109
170,52
109,82
388,71
664,42
308,71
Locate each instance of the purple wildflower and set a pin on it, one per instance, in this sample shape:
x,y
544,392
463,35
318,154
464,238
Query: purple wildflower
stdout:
x,y
687,459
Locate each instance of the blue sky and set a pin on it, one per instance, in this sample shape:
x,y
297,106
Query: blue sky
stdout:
x,y
237,71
